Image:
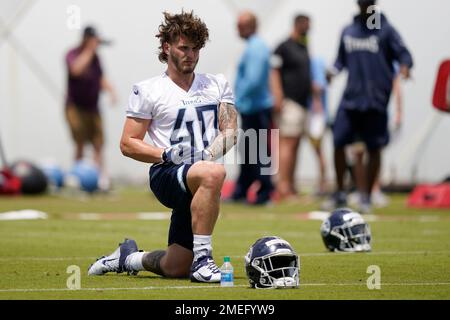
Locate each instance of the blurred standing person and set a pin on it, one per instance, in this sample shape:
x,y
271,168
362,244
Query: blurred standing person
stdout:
x,y
254,103
291,87
358,152
85,82
369,55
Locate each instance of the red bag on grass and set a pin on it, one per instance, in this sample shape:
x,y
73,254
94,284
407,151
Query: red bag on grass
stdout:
x,y
9,183
430,196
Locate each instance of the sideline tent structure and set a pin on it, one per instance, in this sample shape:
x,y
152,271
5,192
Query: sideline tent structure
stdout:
x,y
441,94
435,195
11,14
14,12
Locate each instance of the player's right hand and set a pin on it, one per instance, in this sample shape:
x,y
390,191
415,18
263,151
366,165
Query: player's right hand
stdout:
x,y
183,154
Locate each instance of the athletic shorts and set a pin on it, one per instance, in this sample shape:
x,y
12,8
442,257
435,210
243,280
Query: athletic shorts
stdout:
x,y
370,127
169,184
292,119
85,126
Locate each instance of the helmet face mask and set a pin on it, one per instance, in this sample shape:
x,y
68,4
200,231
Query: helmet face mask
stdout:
x,y
272,263
346,230
353,238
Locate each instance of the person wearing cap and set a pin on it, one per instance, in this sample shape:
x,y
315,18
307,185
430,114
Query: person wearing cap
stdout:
x,y
85,82
368,51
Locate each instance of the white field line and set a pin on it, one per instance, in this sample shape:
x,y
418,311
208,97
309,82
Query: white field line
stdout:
x,y
313,215
318,254
399,284
381,253
46,258
89,216
118,289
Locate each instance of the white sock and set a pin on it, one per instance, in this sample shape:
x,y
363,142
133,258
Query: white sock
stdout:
x,y
202,246
134,261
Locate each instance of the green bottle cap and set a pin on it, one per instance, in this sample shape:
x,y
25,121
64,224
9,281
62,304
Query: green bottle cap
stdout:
x,y
226,259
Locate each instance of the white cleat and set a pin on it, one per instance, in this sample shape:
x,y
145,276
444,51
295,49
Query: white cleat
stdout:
x,y
115,262
105,264
205,270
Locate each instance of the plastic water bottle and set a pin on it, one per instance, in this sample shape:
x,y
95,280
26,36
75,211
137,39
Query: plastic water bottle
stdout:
x,y
226,273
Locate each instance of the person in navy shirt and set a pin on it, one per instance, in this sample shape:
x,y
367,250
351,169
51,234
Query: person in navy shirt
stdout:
x,y
368,48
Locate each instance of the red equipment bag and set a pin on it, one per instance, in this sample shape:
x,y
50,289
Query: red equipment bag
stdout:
x,y
9,183
430,196
440,89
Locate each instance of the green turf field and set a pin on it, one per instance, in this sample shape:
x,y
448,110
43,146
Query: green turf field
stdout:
x,y
411,247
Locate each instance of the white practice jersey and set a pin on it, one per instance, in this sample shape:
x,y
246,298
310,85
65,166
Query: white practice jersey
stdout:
x,y
190,118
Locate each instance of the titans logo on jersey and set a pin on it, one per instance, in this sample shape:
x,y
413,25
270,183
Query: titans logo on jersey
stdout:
x,y
179,116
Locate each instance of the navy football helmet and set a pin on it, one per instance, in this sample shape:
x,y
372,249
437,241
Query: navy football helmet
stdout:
x,y
271,262
346,230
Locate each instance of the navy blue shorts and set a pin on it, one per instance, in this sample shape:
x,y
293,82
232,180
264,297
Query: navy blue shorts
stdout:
x,y
371,127
168,183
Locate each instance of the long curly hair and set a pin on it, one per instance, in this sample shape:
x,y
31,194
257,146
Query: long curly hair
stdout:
x,y
175,25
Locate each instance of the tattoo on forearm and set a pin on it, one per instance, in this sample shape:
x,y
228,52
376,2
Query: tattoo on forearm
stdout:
x,y
227,113
227,137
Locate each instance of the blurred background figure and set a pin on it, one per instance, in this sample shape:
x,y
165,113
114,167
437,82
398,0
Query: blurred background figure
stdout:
x,y
85,82
291,87
368,54
254,103
358,151
318,119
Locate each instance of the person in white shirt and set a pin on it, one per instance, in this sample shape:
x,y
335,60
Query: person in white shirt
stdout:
x,y
192,121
